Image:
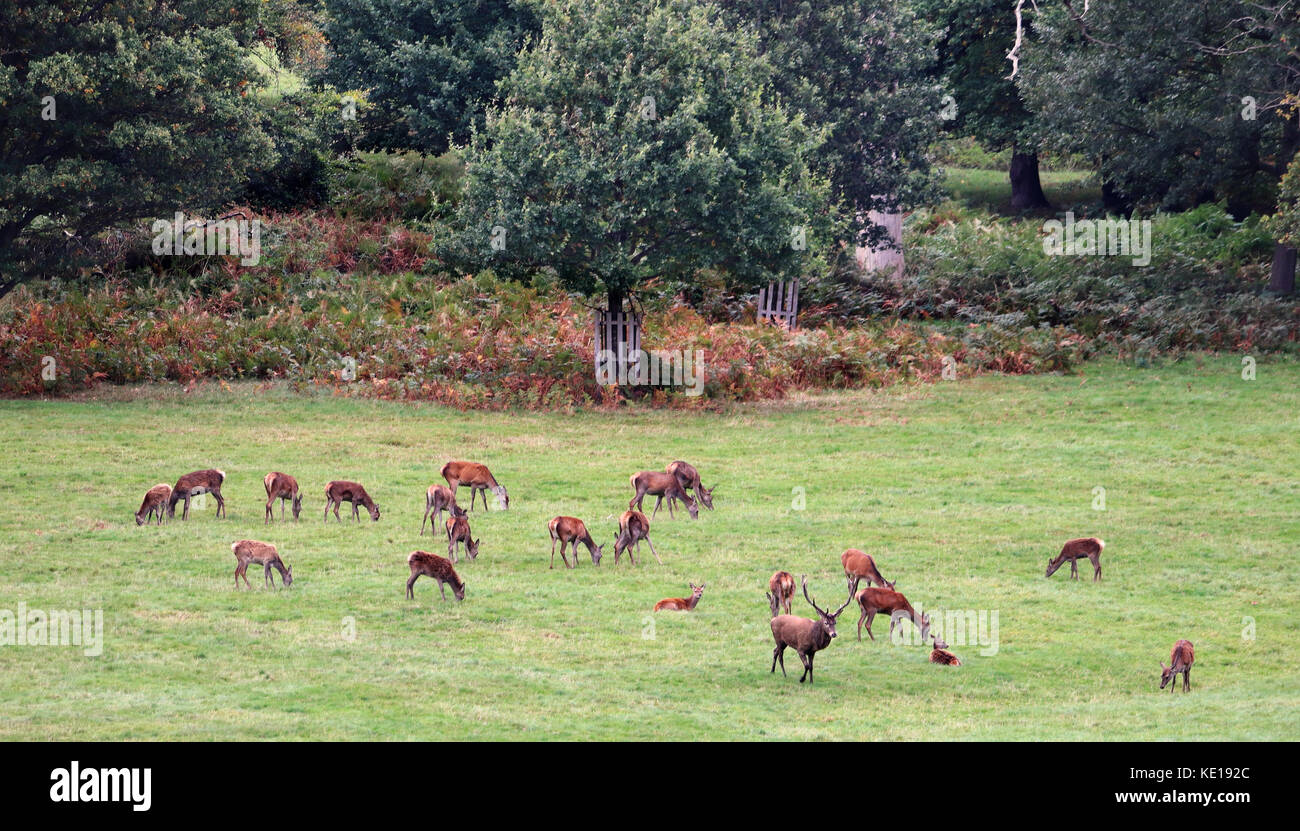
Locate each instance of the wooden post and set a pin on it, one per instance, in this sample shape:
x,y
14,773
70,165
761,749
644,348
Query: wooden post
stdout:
x,y
1282,278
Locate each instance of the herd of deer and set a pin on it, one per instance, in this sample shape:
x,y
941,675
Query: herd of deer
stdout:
x,y
680,482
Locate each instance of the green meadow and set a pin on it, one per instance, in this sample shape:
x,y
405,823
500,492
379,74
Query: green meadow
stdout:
x,y
961,491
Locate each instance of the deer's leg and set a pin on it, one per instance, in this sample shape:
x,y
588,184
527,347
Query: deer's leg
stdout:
x,y
566,559
282,509
864,617
427,506
552,552
442,590
804,659
870,617
410,585
1096,569
221,504
267,517
779,654
1187,680
1074,569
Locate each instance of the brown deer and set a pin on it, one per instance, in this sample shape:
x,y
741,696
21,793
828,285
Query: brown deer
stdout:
x,y
438,498
1180,660
457,533
439,568
805,636
874,600
340,491
155,502
689,478
859,566
262,554
281,486
194,484
1089,547
479,479
781,586
941,655
657,483
568,529
681,604
632,528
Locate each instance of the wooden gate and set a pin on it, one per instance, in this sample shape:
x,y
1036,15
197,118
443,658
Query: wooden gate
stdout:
x,y
617,347
779,302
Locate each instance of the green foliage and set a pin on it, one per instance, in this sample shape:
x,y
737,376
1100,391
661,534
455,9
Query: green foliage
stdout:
x,y
1285,223
151,115
308,130
431,66
639,140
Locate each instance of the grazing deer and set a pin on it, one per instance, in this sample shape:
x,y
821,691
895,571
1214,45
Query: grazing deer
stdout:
x,y
632,528
457,533
660,484
155,502
859,566
681,604
941,655
479,479
1089,547
439,568
194,484
781,586
1180,660
689,478
282,486
805,636
262,554
874,600
568,529
338,492
438,498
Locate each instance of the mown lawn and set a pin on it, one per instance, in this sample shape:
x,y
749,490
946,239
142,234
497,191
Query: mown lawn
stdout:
x,y
962,490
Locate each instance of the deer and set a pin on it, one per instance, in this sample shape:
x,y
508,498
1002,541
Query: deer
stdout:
x,y
479,479
438,498
805,636
264,555
941,655
439,568
194,484
1180,660
571,530
457,533
155,502
1089,547
632,528
859,566
781,588
281,486
681,604
874,600
340,491
660,484
689,478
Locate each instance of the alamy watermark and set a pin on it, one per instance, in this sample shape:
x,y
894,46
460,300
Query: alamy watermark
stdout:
x,y
57,627
222,236
1098,237
957,627
656,368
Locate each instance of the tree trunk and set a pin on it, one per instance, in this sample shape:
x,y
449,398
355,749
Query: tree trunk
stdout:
x,y
1283,276
614,299
1026,188
1114,202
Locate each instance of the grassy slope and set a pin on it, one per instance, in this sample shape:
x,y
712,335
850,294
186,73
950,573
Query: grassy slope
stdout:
x,y
962,491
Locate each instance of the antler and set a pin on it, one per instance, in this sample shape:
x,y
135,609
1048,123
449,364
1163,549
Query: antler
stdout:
x,y
811,602
841,608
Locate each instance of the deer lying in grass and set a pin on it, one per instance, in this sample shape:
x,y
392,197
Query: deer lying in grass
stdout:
x,y
632,528
806,637
689,478
1089,547
875,600
281,486
261,554
194,484
457,533
439,568
438,498
1180,660
339,491
681,604
781,591
479,479
859,566
571,530
657,483
941,655
155,502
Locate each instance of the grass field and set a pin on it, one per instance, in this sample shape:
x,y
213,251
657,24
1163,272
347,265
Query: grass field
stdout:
x,y
991,189
961,490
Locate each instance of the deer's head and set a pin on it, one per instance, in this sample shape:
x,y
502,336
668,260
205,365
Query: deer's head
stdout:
x,y
297,505
503,498
696,591
1166,674
825,618
596,554
374,511
139,519
288,576
773,603
925,625
1052,566
691,506
472,548
706,496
